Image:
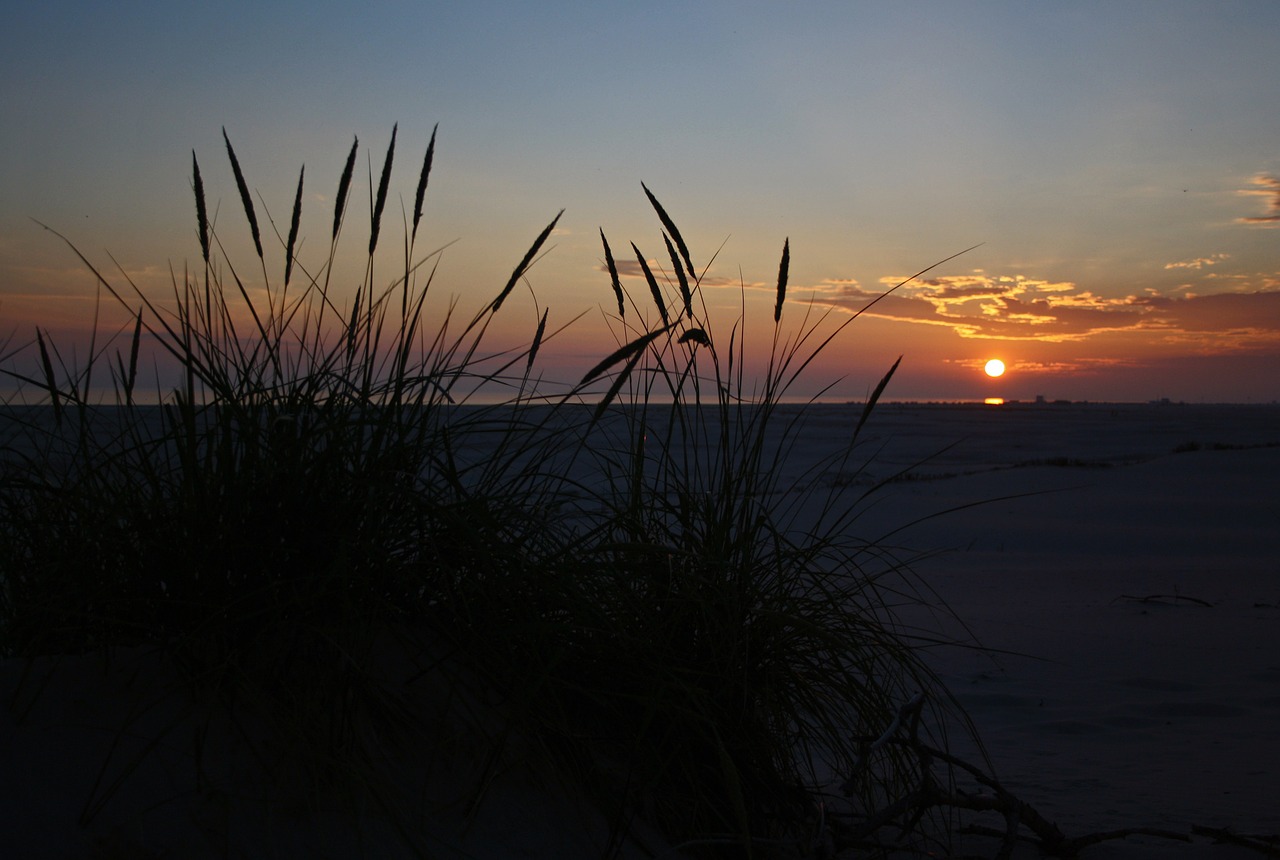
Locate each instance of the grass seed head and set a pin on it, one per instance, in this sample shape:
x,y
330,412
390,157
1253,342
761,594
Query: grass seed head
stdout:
x,y
202,215
245,199
344,188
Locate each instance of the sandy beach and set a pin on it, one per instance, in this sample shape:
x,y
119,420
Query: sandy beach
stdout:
x,y
580,431
1136,598
1122,569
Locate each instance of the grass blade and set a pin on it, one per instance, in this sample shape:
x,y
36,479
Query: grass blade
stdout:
x,y
50,383
523,266
422,182
245,199
537,340
202,214
381,200
783,268
685,295
132,376
344,187
625,351
622,377
613,274
906,281
353,324
672,229
875,396
293,228
653,286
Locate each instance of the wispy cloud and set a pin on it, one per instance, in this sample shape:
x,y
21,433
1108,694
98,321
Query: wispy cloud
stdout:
x,y
1015,307
1265,185
630,268
1198,262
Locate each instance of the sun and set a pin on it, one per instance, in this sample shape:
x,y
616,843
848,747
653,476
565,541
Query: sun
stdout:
x,y
995,367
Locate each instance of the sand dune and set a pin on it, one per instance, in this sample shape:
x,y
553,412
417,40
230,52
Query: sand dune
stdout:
x,y
1123,568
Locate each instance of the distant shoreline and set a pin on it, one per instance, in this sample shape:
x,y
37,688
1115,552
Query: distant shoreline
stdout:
x,y
481,402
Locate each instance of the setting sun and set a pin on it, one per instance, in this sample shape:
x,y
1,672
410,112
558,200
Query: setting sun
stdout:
x,y
995,367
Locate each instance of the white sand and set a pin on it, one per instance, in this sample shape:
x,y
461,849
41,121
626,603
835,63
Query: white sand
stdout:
x,y
1120,713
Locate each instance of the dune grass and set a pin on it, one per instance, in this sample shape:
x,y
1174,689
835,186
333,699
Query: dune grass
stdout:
x,y
613,582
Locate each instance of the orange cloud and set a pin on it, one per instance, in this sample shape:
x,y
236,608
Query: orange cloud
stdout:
x,y
1198,262
1268,186
1020,308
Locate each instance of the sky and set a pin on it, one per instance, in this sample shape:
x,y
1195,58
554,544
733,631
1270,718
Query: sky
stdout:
x,y
1117,165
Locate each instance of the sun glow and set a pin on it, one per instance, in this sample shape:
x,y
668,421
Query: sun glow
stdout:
x,y
994,367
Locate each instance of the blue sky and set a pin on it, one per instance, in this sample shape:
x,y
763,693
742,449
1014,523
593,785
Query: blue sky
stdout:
x,y
1107,156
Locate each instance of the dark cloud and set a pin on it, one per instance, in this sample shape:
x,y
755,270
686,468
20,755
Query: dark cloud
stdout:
x,y
1224,312
627,268
978,288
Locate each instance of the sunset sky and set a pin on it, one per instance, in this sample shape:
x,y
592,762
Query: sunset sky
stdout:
x,y
1117,163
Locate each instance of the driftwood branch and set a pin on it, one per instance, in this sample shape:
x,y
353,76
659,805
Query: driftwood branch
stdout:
x,y
1266,845
1172,599
908,715
854,833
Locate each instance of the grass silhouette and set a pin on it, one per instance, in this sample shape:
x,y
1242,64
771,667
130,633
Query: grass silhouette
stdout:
x,y
611,583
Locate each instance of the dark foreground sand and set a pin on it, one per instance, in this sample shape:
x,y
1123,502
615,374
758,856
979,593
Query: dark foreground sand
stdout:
x,y
1134,704
1119,698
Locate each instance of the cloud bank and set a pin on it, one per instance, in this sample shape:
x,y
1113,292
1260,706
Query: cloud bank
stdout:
x,y
1242,312
1015,307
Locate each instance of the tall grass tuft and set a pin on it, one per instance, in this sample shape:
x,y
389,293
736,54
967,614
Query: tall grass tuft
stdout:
x,y
618,585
